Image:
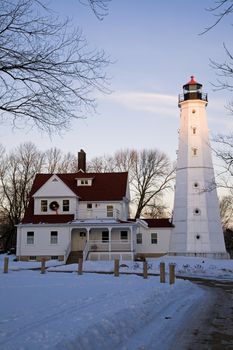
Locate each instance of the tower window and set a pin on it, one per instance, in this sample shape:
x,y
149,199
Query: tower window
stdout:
x,y
198,236
193,111
194,150
197,211
194,131
196,185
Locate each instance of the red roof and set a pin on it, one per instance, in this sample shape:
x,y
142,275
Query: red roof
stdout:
x,y
47,219
158,222
105,186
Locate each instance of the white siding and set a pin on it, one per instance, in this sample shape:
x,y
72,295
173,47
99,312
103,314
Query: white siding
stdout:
x,y
163,237
42,245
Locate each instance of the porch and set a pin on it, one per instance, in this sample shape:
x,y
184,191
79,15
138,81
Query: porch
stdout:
x,y
103,242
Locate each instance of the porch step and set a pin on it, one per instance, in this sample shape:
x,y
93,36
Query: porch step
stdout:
x,y
74,257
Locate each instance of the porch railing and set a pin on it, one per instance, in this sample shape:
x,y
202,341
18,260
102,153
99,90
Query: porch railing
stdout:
x,y
106,246
96,213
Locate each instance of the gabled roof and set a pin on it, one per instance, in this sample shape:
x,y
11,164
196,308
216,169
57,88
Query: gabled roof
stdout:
x,y
105,186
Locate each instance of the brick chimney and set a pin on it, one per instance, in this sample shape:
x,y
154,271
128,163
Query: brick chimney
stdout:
x,y
82,160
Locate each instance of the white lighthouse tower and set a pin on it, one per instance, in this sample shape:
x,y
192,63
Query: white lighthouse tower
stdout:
x,y
197,226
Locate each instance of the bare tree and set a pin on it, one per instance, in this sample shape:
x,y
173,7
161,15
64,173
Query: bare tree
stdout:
x,y
152,176
224,152
102,164
57,162
220,9
226,212
99,7
17,172
47,72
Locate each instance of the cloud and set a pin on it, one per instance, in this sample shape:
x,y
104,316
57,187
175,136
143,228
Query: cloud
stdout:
x,y
146,102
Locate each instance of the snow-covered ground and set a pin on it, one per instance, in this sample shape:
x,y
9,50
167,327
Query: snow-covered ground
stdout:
x,y
100,311
184,266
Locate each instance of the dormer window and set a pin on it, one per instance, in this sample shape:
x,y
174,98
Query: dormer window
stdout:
x,y
84,182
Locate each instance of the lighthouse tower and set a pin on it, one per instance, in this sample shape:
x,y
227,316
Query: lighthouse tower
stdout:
x,y
197,226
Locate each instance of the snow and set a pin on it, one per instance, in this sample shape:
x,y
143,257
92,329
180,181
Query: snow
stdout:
x,y
60,310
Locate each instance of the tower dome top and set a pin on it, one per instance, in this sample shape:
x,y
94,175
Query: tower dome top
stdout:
x,y
192,81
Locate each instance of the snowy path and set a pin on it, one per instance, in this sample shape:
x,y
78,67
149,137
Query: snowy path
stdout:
x,y
66,311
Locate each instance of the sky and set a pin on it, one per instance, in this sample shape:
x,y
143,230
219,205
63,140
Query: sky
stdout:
x,y
155,47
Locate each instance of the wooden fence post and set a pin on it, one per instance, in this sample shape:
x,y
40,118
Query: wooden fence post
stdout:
x,y
80,266
162,272
42,269
145,269
6,264
172,273
116,267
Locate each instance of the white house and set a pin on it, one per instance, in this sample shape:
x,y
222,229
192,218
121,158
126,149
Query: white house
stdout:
x,y
86,215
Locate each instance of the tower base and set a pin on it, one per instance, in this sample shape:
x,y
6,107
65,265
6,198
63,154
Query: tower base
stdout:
x,y
213,255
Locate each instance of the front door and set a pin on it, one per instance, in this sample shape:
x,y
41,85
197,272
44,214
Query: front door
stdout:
x,y
78,240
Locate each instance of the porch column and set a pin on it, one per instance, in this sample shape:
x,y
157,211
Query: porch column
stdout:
x,y
131,238
110,239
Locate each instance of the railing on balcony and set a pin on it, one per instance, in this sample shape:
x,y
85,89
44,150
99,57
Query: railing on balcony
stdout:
x,y
106,246
96,213
193,96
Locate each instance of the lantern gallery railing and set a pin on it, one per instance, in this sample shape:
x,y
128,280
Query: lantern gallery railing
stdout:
x,y
193,96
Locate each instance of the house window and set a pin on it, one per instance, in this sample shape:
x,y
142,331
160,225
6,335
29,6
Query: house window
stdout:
x,y
54,257
109,211
89,205
66,205
124,235
154,238
53,237
139,238
30,237
105,236
32,258
44,205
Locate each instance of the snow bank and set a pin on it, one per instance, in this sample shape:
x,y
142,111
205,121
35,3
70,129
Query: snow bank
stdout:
x,y
90,312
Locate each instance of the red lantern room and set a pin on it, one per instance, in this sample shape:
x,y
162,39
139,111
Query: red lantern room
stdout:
x,y
192,91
